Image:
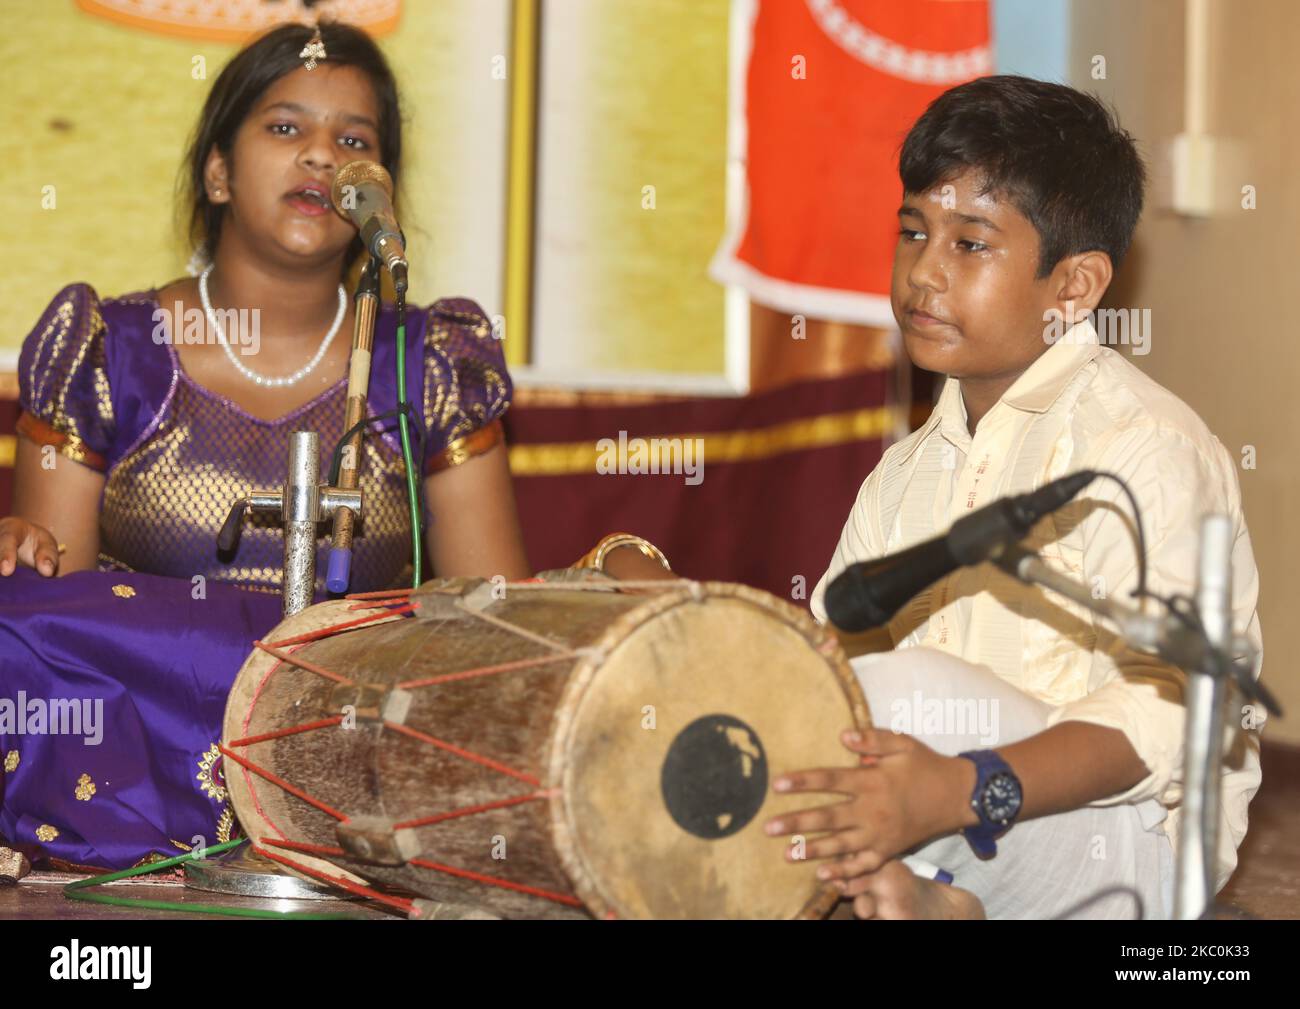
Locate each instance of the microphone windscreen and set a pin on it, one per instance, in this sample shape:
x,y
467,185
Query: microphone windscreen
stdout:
x,y
354,174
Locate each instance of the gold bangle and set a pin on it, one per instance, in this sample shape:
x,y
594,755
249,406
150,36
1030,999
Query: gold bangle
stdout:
x,y
615,540
587,562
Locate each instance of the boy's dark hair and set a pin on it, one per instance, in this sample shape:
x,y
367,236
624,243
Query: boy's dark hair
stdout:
x,y
1057,154
245,79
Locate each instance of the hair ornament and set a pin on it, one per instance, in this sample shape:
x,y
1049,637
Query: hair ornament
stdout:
x,y
314,50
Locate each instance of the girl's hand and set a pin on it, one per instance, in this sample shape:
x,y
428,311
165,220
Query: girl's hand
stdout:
x,y
23,542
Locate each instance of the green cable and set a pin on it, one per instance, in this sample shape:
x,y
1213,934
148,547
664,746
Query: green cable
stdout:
x,y
74,891
406,442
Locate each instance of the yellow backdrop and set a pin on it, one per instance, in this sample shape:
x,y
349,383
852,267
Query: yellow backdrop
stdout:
x,y
98,114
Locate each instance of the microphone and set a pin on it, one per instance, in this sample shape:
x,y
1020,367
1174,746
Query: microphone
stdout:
x,y
869,593
363,193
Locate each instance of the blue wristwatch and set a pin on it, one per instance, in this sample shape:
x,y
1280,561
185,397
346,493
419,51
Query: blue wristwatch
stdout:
x,y
996,799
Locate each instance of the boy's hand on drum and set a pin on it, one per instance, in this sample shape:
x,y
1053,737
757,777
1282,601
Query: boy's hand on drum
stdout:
x,y
26,543
903,793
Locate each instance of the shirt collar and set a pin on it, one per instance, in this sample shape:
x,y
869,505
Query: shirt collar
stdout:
x,y
1037,388
1043,381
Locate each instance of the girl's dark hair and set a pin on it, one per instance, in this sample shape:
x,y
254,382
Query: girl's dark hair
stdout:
x,y
245,79
1057,154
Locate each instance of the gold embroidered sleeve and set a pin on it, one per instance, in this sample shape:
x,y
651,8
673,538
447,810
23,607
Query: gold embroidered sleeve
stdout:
x,y
63,387
461,450
467,387
36,430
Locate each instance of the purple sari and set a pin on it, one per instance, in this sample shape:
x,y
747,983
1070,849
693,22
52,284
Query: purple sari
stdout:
x,y
114,688
113,682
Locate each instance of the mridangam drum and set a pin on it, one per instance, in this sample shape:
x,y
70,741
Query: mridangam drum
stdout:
x,y
542,749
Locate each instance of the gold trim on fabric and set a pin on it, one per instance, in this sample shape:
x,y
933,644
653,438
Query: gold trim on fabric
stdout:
x,y
36,430
85,788
461,450
561,458
11,761
206,777
224,824
45,833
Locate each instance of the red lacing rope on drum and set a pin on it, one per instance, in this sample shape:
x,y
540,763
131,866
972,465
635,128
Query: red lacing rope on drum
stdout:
x,y
385,600
325,632
505,884
401,903
466,674
384,594
310,667
484,807
461,752
291,789
388,596
305,727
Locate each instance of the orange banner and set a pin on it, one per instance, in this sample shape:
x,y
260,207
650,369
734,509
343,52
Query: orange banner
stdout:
x,y
832,88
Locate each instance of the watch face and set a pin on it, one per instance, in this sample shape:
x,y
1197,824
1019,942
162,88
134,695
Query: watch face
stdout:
x,y
1001,800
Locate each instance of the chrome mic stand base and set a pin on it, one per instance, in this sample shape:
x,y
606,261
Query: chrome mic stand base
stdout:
x,y
244,873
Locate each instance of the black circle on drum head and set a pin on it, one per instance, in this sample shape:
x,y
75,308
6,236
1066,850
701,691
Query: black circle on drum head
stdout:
x,y
714,777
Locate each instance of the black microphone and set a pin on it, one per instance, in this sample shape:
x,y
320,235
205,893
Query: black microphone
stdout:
x,y
869,593
363,193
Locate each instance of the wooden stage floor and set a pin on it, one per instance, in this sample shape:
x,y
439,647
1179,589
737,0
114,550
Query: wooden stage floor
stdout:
x,y
1266,884
1267,881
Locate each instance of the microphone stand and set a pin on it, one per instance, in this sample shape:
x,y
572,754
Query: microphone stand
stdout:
x,y
339,568
1207,654
303,501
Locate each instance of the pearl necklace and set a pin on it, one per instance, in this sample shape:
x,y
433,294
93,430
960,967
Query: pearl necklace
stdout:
x,y
248,372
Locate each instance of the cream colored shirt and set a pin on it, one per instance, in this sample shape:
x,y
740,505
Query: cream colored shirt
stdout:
x,y
1078,406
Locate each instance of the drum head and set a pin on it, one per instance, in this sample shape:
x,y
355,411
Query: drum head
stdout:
x,y
666,750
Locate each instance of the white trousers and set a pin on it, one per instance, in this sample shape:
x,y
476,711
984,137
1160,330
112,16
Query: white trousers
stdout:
x,y
1093,862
